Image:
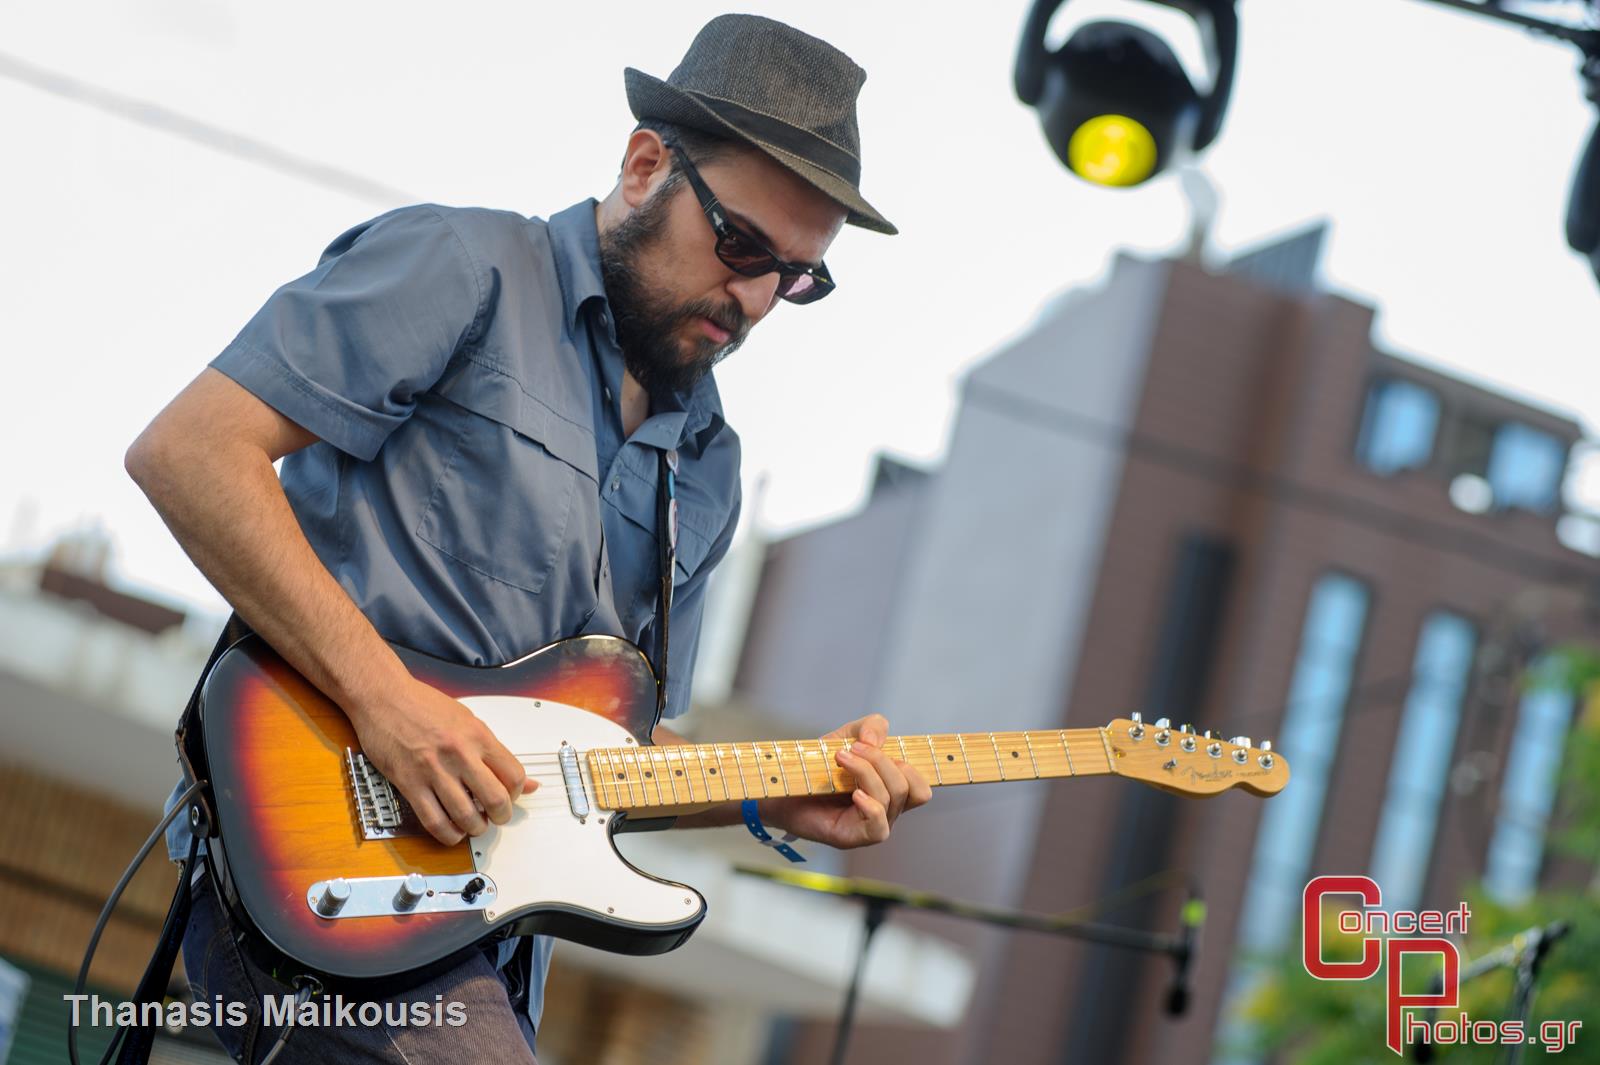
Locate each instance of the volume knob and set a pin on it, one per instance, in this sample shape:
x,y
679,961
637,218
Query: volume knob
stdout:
x,y
412,888
334,895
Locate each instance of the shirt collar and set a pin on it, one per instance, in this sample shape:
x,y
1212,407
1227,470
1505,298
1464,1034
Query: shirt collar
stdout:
x,y
575,244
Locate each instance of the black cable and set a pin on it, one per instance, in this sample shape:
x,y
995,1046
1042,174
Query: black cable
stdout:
x,y
105,915
305,987
226,141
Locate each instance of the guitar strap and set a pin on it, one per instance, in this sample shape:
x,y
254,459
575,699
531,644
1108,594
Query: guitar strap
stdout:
x,y
667,550
138,1040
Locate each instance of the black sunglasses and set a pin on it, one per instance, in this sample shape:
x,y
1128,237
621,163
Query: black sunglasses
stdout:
x,y
742,253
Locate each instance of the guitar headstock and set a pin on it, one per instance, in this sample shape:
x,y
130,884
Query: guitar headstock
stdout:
x,y
1189,763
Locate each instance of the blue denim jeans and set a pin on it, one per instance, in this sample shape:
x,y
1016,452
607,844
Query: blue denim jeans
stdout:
x,y
490,1028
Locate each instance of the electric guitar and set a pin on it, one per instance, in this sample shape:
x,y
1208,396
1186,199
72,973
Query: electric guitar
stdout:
x,y
321,857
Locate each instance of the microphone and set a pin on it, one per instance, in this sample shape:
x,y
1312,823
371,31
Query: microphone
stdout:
x,y
1193,915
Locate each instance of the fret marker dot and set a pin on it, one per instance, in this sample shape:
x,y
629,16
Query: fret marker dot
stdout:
x,y
713,772
678,772
647,774
773,779
622,776
949,757
1013,754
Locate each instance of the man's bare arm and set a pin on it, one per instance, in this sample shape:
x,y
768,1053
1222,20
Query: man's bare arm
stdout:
x,y
205,463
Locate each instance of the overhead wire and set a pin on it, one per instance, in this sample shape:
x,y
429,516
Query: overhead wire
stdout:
x,y
217,138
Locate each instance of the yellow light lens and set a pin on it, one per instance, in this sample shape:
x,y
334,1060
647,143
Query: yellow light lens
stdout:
x,y
1112,150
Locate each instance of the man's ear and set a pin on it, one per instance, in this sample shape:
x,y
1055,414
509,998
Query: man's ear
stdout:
x,y
645,165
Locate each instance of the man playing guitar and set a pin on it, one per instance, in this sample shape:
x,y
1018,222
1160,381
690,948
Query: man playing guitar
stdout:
x,y
475,412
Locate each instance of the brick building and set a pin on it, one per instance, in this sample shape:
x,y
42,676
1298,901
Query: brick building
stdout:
x,y
1205,495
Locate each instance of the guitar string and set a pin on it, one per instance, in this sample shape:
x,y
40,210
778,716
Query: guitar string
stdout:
x,y
557,803
555,785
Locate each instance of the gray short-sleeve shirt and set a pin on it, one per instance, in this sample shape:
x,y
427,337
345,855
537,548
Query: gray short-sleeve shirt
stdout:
x,y
472,489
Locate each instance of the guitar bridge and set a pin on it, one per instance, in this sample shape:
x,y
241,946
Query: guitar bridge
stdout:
x,y
380,809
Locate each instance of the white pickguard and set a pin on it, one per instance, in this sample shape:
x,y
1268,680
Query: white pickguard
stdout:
x,y
545,855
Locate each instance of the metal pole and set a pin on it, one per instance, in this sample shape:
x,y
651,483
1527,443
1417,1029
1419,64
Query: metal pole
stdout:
x,y
876,911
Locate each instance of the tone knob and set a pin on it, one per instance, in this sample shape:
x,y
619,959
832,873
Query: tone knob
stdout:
x,y
334,895
412,888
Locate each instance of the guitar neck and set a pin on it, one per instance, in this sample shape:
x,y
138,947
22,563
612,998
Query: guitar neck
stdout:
x,y
635,777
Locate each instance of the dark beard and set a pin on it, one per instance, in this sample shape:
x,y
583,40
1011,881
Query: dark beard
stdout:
x,y
648,328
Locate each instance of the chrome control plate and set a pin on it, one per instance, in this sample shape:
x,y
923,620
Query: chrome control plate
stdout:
x,y
376,896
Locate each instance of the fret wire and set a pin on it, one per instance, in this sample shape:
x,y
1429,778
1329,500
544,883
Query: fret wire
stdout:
x,y
827,762
1068,750
611,771
740,763
700,756
597,759
964,759
658,753
593,758
783,777
622,754
722,771
652,756
937,776
998,763
804,773
1028,739
646,774
1106,741
674,771
755,752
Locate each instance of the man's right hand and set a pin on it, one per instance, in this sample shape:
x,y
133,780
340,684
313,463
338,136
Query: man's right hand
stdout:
x,y
452,770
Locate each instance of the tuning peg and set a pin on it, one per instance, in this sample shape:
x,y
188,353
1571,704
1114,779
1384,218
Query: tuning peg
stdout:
x,y
1266,746
1162,722
1210,735
1136,717
1240,741
1186,727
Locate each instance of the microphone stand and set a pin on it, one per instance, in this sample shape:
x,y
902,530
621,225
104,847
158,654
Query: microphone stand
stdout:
x,y
1525,953
879,897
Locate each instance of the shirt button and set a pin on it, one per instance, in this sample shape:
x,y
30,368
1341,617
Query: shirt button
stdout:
x,y
607,391
616,484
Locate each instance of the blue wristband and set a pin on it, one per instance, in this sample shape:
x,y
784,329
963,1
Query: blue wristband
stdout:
x,y
752,821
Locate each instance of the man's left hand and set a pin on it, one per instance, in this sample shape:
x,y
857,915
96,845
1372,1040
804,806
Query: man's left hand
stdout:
x,y
884,789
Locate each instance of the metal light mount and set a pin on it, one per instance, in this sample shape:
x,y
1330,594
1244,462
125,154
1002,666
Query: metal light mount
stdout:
x,y
1583,208
1116,105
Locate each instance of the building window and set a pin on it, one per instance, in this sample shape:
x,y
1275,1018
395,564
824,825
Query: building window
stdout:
x,y
1440,675
1525,468
1319,691
1397,427
1528,792
1335,619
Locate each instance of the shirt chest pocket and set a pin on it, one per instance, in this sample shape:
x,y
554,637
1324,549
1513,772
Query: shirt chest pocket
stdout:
x,y
515,500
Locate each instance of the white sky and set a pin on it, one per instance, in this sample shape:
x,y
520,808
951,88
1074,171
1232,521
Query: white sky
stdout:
x,y
1441,145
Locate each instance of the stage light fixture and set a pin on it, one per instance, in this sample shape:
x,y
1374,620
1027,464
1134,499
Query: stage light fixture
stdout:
x,y
1116,105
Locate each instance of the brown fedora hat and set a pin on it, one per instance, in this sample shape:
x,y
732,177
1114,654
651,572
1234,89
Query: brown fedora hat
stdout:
x,y
785,92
